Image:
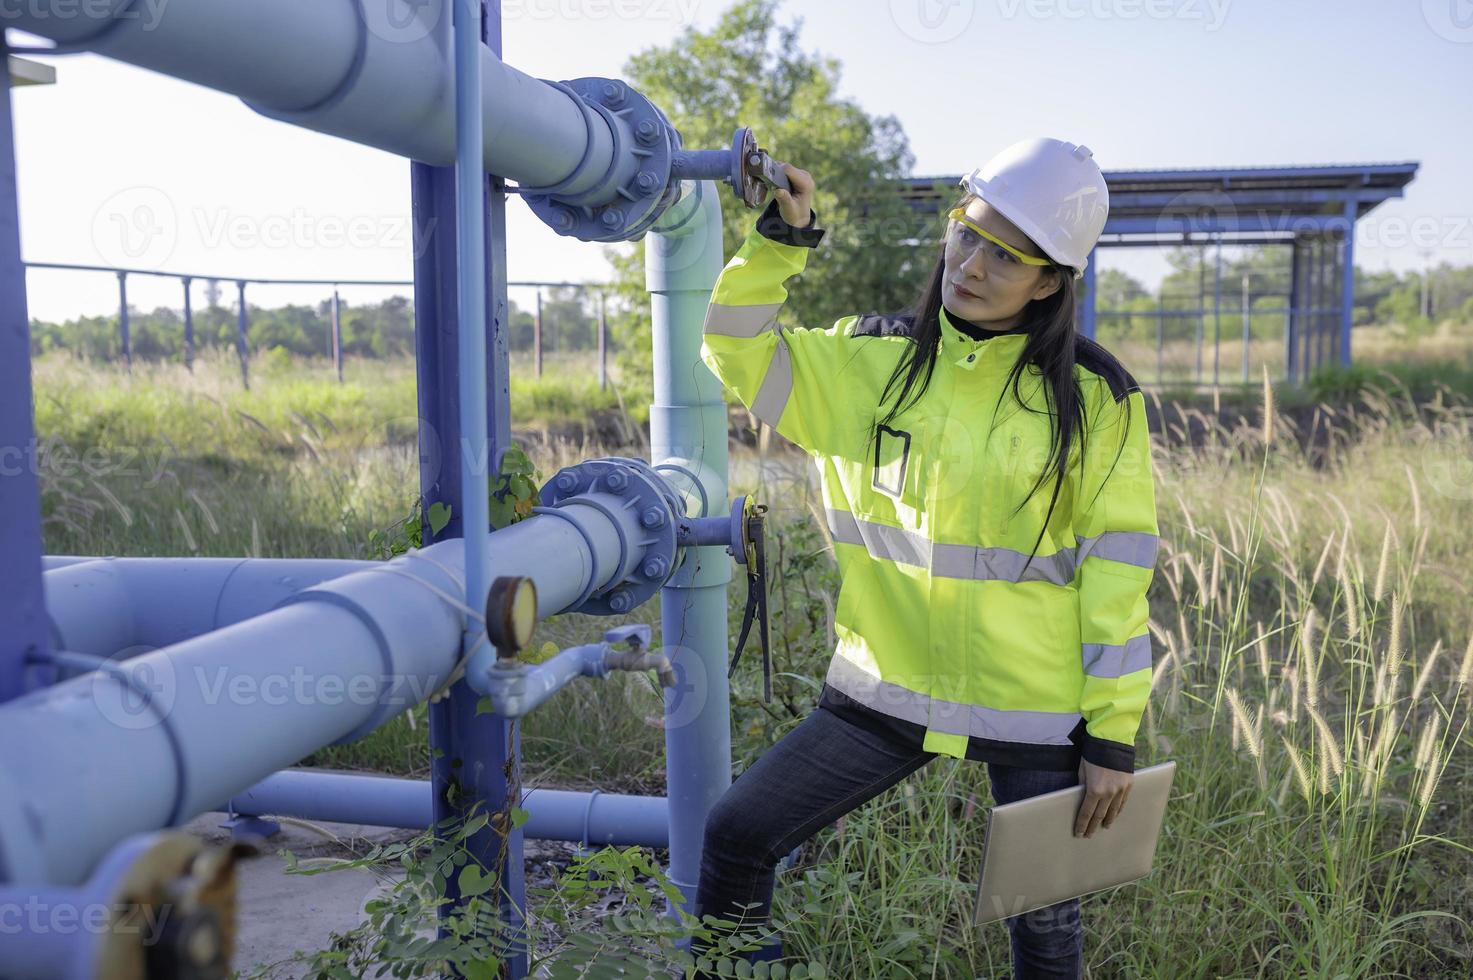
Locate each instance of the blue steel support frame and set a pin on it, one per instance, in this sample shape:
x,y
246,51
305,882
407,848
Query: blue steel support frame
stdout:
x,y
470,751
22,604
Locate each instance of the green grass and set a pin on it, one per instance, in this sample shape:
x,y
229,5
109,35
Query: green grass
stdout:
x,y
1337,846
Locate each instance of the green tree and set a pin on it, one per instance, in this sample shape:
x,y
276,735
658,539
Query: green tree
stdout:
x,y
749,70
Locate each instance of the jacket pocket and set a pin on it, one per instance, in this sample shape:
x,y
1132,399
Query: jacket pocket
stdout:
x,y
891,462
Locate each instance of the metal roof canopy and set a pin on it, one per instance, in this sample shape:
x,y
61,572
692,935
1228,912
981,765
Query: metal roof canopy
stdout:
x,y
1263,204
1311,209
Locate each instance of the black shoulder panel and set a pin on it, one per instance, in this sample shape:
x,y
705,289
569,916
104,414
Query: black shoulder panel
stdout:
x,y
1093,357
884,325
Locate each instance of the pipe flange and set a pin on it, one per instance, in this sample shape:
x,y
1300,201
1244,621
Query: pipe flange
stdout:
x,y
620,206
647,528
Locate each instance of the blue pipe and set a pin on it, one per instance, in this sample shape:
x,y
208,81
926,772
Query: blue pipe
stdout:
x,y
688,445
123,607
591,818
470,225
150,742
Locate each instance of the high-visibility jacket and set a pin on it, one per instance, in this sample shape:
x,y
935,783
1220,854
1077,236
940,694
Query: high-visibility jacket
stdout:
x,y
940,629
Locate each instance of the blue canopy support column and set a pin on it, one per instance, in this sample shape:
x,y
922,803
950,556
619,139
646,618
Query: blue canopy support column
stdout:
x,y
22,604
1347,284
1294,318
1087,301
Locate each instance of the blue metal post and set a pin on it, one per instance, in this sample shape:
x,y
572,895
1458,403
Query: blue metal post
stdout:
x,y
1087,325
22,606
1291,328
1217,312
241,347
470,750
1347,283
603,341
123,320
337,333
188,326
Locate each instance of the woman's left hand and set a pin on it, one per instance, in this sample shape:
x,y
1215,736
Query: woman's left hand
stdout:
x,y
1105,791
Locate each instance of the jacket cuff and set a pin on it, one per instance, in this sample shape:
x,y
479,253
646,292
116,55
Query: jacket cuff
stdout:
x,y
772,226
1107,754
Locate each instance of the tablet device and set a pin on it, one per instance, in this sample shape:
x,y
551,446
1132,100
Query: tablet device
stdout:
x,y
1031,858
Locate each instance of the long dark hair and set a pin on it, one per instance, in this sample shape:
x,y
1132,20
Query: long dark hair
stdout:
x,y
1052,345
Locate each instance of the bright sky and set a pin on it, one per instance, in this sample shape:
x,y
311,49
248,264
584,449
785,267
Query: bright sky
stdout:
x,y
1144,83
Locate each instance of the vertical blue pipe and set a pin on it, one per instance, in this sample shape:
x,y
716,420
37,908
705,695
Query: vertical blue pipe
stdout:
x,y
1347,283
683,257
1087,325
468,768
123,320
470,226
241,349
22,606
188,326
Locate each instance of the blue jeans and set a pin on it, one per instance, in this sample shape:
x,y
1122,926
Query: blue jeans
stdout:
x,y
822,769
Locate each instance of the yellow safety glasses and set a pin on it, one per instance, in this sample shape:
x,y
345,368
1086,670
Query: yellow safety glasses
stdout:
x,y
967,237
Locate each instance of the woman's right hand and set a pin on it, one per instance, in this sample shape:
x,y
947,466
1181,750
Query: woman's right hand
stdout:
x,y
796,204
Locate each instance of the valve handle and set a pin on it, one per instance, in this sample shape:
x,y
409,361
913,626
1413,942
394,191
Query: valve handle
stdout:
x,y
753,170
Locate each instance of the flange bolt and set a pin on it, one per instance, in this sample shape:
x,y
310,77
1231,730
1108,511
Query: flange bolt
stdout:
x,y
653,517
612,94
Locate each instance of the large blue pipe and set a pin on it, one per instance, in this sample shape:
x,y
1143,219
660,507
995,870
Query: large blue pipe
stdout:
x,y
123,607
377,72
152,741
688,445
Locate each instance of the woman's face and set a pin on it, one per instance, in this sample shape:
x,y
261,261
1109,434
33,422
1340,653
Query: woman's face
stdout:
x,y
981,282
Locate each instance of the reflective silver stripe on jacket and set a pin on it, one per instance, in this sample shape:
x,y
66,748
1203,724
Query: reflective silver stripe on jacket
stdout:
x,y
1116,659
777,385
740,321
908,547
951,717
1127,547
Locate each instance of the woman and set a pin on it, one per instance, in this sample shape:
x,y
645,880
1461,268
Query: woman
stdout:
x,y
987,483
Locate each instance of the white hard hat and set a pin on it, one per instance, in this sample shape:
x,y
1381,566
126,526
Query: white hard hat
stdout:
x,y
1053,191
